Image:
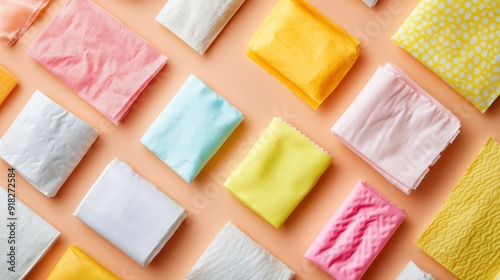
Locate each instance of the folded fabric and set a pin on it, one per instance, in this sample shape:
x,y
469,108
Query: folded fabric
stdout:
x,y
7,83
463,237
234,255
278,172
75,264
16,16
304,50
459,42
83,47
356,233
397,127
413,272
370,3
130,212
197,22
25,237
45,143
191,129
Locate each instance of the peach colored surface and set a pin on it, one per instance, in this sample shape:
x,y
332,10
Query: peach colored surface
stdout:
x,y
226,69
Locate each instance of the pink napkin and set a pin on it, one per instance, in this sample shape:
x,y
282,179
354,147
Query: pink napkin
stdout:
x,y
397,127
16,16
356,233
98,57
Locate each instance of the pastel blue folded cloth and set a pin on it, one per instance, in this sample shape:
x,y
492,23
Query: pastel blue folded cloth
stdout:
x,y
190,130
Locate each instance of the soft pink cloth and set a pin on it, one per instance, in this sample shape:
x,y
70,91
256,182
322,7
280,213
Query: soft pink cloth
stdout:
x,y
98,57
356,233
397,127
16,16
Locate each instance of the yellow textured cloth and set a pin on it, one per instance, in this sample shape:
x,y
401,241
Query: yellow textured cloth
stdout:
x,y
304,50
460,42
464,237
77,265
278,172
7,83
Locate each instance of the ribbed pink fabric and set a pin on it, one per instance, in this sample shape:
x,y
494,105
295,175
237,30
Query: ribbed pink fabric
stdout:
x,y
98,57
356,233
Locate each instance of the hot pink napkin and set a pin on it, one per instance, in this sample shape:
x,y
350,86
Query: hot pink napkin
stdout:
x,y
16,16
98,57
356,233
397,127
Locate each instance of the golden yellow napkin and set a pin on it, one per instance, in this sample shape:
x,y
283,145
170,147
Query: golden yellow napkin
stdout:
x,y
7,83
304,50
75,264
460,42
464,237
278,172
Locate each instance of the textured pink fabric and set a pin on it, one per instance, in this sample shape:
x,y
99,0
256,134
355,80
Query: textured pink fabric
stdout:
x,y
397,127
16,16
355,234
98,57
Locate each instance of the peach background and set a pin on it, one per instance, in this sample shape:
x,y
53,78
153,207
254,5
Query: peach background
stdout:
x,y
259,97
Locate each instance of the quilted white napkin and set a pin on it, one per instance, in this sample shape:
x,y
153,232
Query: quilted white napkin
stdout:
x,y
197,22
234,255
130,212
33,238
45,143
413,272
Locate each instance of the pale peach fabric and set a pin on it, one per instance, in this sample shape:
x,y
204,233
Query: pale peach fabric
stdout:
x,y
16,16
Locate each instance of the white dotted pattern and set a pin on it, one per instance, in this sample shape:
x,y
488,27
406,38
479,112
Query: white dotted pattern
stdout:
x,y
459,40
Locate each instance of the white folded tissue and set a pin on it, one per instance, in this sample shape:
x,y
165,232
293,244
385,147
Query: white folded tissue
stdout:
x,y
234,255
45,143
413,272
26,234
370,3
197,22
130,212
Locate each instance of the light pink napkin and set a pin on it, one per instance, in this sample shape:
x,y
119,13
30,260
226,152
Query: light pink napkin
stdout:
x,y
16,16
397,127
356,233
98,57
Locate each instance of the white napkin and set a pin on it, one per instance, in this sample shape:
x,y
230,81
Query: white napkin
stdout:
x,y
234,255
130,212
33,238
45,143
413,272
197,22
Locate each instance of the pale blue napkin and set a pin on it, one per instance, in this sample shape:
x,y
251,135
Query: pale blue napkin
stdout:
x,y
192,127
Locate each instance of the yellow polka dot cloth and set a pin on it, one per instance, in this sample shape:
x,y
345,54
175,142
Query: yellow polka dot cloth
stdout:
x,y
464,236
459,40
304,50
75,264
278,172
7,83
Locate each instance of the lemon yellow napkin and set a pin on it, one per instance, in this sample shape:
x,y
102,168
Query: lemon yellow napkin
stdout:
x,y
7,83
459,41
464,235
278,172
75,264
304,50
